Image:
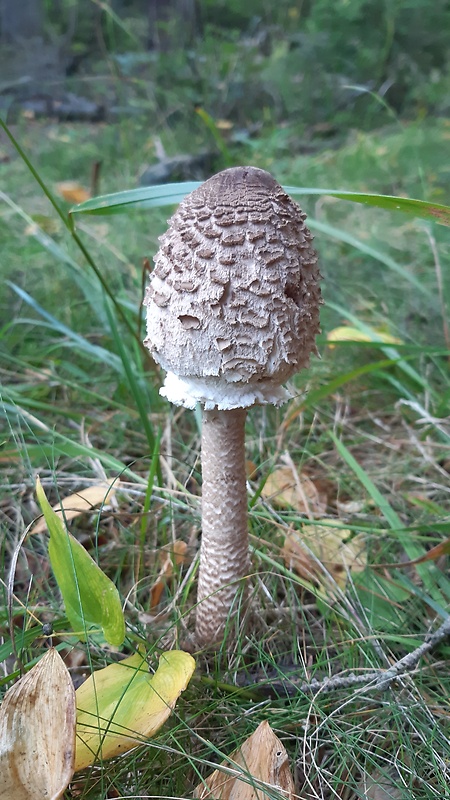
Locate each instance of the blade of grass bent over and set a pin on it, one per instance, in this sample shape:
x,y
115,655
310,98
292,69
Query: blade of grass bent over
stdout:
x,y
139,389
173,193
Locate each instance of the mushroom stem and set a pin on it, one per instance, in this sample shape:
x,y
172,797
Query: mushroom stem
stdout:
x,y
224,554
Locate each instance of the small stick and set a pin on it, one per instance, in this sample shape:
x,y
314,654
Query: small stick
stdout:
x,y
380,679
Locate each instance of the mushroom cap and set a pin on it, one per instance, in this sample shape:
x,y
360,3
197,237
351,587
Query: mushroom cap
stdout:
x,y
233,301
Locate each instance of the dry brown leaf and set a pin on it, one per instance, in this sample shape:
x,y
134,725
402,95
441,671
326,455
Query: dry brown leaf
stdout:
x,y
286,488
332,546
378,786
297,559
170,556
262,757
251,470
78,503
434,554
72,191
37,733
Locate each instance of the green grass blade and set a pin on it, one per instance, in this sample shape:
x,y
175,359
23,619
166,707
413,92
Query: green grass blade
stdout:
x,y
136,385
172,193
316,395
94,351
67,220
391,352
416,208
63,445
382,258
145,197
411,548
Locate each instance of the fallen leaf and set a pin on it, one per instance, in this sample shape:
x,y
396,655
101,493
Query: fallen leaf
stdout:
x,y
77,503
333,546
287,489
37,732
170,556
350,507
251,470
378,786
345,333
297,559
72,192
262,757
122,705
90,597
224,124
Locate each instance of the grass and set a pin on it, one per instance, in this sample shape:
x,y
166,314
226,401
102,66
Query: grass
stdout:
x,y
367,428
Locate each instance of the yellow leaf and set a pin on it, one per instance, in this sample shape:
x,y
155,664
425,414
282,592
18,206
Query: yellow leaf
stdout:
x,y
122,705
332,546
347,334
224,125
286,488
37,733
72,192
262,757
78,503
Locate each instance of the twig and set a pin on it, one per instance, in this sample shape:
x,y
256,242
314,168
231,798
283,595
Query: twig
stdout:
x,y
380,679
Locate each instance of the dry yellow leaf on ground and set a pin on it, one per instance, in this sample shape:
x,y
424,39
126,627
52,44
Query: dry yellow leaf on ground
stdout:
x,y
73,192
123,705
348,334
262,757
37,733
78,503
287,489
332,546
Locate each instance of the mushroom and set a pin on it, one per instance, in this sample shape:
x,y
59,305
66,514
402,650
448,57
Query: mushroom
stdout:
x,y
232,313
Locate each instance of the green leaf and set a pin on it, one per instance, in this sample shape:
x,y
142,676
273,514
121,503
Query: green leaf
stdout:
x,y
173,193
91,599
122,705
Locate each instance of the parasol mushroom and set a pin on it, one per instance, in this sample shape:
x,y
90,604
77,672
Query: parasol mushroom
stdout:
x,y
232,313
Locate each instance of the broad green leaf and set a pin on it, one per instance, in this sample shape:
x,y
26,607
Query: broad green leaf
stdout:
x,y
173,193
91,599
122,705
37,732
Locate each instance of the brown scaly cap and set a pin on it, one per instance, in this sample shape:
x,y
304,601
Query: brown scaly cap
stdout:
x,y
233,302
